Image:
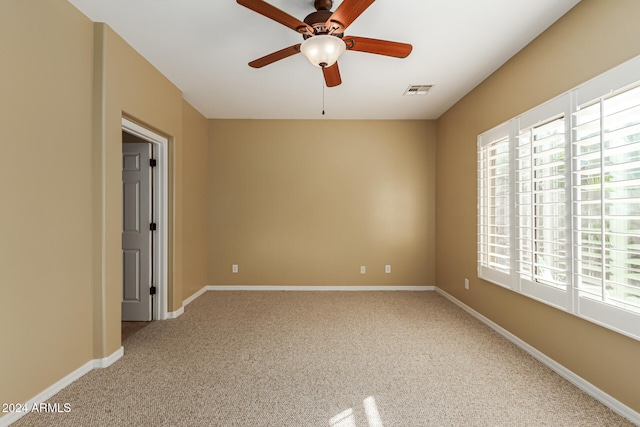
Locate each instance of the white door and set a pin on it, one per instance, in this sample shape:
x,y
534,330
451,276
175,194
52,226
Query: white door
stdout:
x,y
137,217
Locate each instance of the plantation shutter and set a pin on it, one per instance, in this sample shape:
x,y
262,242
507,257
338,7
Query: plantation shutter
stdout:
x,y
541,207
607,199
494,247
606,205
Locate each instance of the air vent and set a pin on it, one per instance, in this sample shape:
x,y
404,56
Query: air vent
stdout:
x,y
417,90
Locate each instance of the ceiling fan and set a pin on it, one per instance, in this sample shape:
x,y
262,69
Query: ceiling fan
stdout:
x,y
323,33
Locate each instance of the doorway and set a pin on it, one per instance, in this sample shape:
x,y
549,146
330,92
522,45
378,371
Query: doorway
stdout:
x,y
144,281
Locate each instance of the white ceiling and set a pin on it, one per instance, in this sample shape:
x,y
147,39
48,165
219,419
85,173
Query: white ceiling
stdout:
x,y
203,47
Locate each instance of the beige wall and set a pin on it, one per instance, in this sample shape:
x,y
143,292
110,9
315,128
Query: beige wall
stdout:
x,y
307,202
194,200
593,37
46,218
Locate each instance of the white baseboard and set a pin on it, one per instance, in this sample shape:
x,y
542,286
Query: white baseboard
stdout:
x,y
316,288
174,314
105,362
51,391
194,296
593,391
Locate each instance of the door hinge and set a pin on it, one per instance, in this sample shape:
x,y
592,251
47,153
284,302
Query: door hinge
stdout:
x,y
152,226
152,290
152,163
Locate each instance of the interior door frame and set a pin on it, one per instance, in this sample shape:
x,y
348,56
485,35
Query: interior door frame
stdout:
x,y
161,209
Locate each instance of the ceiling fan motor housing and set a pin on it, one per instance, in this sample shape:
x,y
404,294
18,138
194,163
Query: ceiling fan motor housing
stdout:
x,y
323,4
318,19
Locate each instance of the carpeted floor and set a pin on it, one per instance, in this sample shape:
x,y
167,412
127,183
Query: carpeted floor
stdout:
x,y
130,328
331,359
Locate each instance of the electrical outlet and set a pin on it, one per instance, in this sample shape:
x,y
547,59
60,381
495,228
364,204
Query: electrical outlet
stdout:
x,y
387,269
234,268
466,284
363,269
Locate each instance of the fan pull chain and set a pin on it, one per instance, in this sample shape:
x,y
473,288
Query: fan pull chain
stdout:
x,y
323,92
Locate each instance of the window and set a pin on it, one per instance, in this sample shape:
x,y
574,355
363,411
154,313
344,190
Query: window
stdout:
x,y
540,177
494,236
559,201
607,199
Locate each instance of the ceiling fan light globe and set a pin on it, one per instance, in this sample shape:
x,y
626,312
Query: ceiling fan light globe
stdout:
x,y
323,50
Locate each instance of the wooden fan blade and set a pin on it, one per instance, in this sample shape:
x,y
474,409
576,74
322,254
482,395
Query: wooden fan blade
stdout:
x,y
347,12
378,47
275,56
272,12
332,75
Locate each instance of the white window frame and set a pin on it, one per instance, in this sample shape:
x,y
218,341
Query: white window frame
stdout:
x,y
547,112
488,139
610,316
